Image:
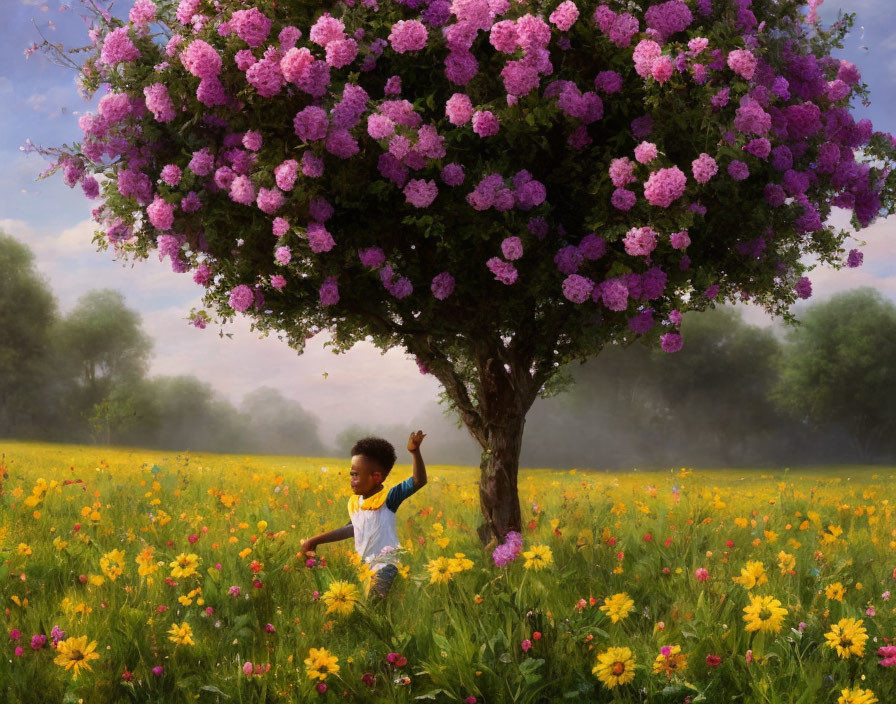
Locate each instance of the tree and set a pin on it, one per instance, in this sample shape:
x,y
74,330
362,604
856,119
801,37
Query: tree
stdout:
x,y
278,425
101,341
456,179
838,371
27,311
191,415
111,417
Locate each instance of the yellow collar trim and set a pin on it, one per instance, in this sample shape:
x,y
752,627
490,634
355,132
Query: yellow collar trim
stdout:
x,y
371,503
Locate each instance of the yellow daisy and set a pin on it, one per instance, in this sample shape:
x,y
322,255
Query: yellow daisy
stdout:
x,y
835,591
341,597
847,637
184,565
320,663
614,667
618,606
752,575
182,634
112,564
856,696
460,563
764,613
786,562
75,653
146,562
439,570
538,557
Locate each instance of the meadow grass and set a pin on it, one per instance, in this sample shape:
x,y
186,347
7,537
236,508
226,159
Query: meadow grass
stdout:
x,y
124,546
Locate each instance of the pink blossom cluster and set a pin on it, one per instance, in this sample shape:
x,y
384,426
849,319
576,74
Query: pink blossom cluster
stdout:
x,y
650,61
665,186
408,35
668,18
620,28
118,48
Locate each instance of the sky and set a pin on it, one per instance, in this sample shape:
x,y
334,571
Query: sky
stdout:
x,y
39,102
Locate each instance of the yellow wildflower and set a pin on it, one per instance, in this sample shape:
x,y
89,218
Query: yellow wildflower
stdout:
x,y
856,696
112,564
670,662
835,591
320,663
752,575
75,654
614,667
618,606
786,562
182,634
847,637
764,613
184,565
538,557
439,570
341,597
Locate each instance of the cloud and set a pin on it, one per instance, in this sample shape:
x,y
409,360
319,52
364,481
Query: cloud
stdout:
x,y
51,103
73,265
19,229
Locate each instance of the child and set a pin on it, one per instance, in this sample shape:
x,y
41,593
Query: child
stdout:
x,y
372,508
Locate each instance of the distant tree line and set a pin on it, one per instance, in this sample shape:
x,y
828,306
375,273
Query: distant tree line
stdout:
x,y
737,394
82,377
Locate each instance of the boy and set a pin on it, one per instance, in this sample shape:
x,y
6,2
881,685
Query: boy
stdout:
x,y
372,508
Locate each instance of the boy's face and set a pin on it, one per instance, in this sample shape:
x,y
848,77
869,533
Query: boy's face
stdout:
x,y
365,475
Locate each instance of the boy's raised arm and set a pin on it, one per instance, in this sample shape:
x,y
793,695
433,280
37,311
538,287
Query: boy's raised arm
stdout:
x,y
419,468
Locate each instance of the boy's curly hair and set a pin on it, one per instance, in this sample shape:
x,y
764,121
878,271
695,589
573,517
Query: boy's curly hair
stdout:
x,y
378,450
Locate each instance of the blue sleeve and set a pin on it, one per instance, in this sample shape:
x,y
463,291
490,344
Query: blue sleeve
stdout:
x,y
399,493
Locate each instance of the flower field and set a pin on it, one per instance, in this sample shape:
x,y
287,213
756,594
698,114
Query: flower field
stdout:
x,y
157,577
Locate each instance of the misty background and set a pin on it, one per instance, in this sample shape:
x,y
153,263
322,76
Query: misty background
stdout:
x,y
736,395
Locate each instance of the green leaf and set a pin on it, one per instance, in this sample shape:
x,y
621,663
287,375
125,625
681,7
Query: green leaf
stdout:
x,y
441,641
214,690
528,670
678,690
431,695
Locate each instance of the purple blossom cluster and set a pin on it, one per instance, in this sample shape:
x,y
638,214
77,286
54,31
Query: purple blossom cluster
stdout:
x,y
509,550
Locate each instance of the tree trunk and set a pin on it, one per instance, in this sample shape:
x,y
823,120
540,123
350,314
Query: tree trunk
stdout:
x,y
498,497
505,398
495,417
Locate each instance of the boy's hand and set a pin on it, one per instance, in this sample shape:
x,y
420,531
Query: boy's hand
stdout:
x,y
415,440
308,547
